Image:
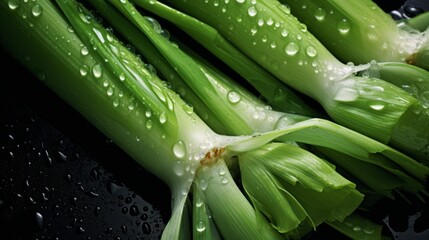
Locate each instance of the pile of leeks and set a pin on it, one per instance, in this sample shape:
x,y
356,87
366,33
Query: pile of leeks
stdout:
x,y
239,166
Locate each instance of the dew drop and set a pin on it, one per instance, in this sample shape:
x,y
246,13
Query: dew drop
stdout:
x,y
199,202
292,49
163,118
189,109
116,102
203,184
283,122
39,219
311,51
122,76
285,33
134,210
377,106
357,228
222,171
109,91
273,44
201,226
84,51
97,71
344,26
284,8
240,1
253,31
84,70
252,11
149,124
36,10
233,97
13,4
178,168
224,180
346,95
320,14
179,149
146,228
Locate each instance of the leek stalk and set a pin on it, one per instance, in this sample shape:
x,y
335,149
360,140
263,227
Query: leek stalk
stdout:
x,y
80,71
267,32
360,32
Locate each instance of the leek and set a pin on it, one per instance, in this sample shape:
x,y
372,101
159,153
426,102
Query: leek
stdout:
x,y
361,31
277,95
148,130
302,62
252,115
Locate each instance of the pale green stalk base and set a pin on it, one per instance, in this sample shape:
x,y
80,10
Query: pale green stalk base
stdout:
x,y
357,31
223,198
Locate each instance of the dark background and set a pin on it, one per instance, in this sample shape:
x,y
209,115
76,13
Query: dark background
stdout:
x,y
61,179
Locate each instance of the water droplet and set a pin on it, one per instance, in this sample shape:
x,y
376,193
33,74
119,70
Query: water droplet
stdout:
x,y
39,220
134,210
311,51
224,180
189,109
412,11
233,97
292,49
84,70
240,1
13,4
122,76
253,31
201,226
178,168
199,202
146,228
124,210
36,10
149,124
285,33
163,118
357,228
124,229
346,95
110,91
284,8
252,11
97,71
179,149
273,44
222,171
320,14
344,26
283,122
203,184
84,51
115,102
377,106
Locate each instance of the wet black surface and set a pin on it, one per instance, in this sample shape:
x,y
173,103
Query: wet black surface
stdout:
x,y
61,179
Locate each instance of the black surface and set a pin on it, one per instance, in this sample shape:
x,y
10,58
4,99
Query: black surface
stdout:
x,y
61,179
